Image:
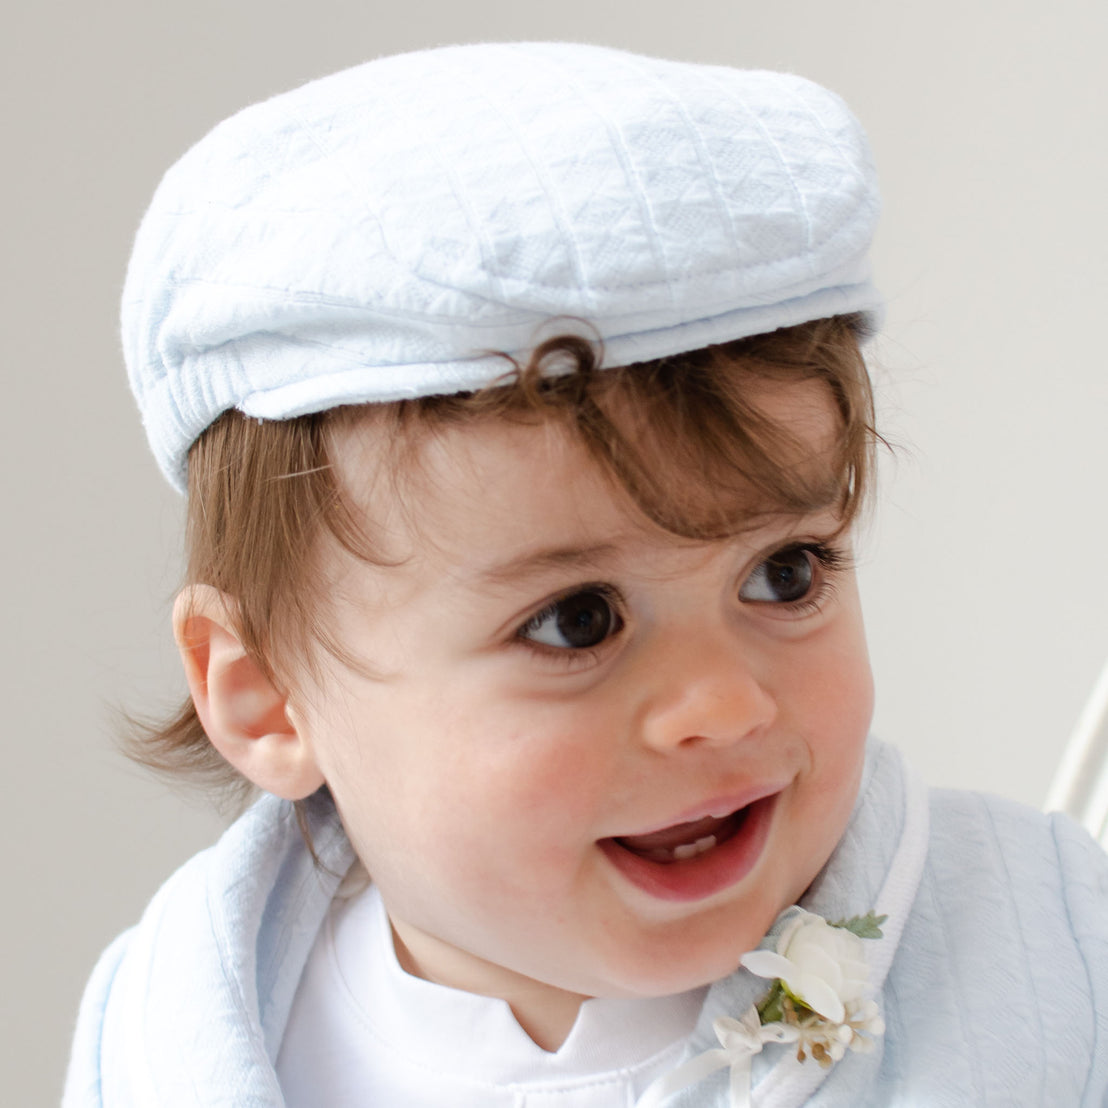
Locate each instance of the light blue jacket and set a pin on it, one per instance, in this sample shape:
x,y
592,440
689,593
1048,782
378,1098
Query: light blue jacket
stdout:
x,y
993,969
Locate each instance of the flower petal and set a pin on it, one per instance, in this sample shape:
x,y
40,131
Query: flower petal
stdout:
x,y
817,994
818,962
765,963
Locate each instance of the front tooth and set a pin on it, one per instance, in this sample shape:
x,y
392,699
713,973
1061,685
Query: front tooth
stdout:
x,y
691,850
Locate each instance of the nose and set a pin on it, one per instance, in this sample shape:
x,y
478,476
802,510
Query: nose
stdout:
x,y
704,692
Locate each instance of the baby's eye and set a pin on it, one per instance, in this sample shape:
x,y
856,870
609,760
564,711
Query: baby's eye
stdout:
x,y
576,622
788,576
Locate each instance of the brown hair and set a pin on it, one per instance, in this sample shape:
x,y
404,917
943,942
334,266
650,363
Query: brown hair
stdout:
x,y
263,494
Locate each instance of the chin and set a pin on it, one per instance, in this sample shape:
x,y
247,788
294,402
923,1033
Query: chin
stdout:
x,y
679,965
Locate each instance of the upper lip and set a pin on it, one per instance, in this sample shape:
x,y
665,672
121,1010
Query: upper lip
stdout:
x,y
722,805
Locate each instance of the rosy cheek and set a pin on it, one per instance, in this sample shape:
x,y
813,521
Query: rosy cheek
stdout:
x,y
842,689
554,796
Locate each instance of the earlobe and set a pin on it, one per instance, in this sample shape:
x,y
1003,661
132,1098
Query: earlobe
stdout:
x,y
244,714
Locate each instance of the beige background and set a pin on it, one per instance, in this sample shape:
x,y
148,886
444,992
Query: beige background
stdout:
x,y
984,575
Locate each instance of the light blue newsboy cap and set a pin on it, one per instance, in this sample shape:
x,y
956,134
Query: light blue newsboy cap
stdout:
x,y
380,233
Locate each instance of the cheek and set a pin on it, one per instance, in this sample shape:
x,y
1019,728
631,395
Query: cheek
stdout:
x,y
845,706
470,786
835,708
530,795
555,766
837,691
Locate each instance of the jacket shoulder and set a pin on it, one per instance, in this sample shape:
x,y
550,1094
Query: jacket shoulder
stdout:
x,y
1033,850
1009,941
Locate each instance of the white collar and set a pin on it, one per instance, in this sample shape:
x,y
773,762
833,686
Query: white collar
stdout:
x,y
476,1038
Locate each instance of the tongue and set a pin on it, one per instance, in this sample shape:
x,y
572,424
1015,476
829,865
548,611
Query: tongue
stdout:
x,y
677,835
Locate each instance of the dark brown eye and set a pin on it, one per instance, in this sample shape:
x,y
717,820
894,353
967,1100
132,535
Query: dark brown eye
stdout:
x,y
575,622
785,577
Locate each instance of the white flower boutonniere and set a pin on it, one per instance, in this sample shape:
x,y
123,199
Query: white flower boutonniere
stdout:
x,y
819,1000
821,986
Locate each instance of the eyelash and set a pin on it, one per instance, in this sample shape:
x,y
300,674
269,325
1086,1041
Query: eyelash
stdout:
x,y
830,563
568,656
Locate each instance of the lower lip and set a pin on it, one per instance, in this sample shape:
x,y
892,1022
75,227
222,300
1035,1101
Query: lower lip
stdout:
x,y
706,874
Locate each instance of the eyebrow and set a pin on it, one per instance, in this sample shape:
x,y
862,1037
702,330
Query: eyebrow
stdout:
x,y
535,563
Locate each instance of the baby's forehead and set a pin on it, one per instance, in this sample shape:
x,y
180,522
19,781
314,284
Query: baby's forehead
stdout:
x,y
425,487
412,472
406,441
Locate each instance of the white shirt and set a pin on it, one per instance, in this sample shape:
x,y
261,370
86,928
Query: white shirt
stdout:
x,y
363,1032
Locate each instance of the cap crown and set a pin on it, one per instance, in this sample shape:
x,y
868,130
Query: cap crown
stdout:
x,y
378,233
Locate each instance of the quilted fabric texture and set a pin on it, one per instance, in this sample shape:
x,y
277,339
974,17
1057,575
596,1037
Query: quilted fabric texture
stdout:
x,y
994,974
376,234
995,996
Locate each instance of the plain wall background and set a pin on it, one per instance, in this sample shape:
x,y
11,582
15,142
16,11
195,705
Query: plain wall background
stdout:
x,y
983,575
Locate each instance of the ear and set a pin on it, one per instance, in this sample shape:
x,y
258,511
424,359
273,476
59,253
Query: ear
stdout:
x,y
243,712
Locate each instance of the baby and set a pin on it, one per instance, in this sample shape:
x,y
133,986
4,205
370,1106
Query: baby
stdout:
x,y
518,396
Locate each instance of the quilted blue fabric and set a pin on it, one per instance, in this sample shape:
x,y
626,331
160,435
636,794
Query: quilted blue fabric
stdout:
x,y
375,234
996,995
996,990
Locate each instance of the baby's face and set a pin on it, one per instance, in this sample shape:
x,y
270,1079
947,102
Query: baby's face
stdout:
x,y
578,750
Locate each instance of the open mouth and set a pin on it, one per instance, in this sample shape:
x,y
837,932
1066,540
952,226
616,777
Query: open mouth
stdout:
x,y
693,860
683,841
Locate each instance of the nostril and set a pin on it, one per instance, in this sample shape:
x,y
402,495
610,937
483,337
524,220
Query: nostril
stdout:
x,y
701,717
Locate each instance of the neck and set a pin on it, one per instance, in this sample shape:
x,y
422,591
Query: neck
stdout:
x,y
546,1013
